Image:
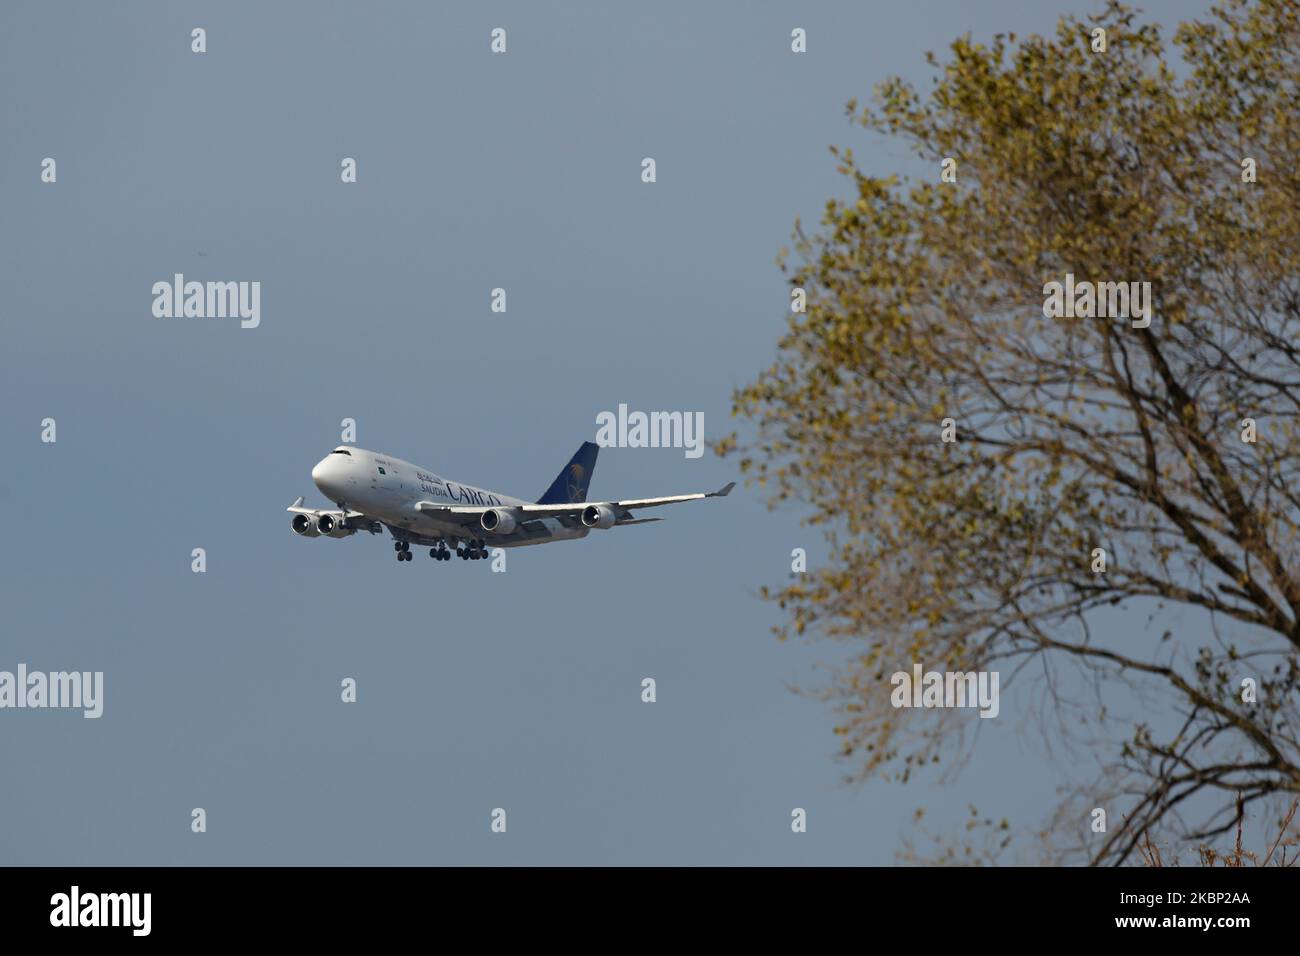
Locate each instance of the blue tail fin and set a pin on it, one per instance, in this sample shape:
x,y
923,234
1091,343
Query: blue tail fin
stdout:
x,y
571,484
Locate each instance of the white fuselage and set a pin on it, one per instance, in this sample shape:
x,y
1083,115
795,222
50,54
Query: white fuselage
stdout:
x,y
388,489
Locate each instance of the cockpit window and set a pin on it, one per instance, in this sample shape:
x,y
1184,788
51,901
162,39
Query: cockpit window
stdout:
x,y
341,451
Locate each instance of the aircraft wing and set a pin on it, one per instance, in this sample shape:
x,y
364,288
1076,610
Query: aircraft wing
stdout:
x,y
354,519
298,509
622,509
625,505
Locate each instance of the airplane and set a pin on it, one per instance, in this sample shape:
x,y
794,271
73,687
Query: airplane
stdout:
x,y
375,491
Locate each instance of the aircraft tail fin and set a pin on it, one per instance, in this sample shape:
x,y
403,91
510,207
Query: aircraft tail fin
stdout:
x,y
571,484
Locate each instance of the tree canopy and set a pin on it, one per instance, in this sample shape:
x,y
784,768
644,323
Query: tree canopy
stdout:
x,y
926,301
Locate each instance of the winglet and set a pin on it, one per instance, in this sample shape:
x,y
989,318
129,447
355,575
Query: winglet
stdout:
x,y
723,491
297,503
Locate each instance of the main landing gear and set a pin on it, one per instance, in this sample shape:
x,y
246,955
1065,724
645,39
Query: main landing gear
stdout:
x,y
470,551
473,551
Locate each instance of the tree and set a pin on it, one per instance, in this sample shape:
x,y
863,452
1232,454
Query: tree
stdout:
x,y
929,300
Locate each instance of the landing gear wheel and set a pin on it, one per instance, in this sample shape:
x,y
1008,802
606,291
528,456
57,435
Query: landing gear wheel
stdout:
x,y
397,546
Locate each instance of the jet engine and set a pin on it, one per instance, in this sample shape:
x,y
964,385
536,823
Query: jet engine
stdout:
x,y
598,516
498,520
332,526
303,525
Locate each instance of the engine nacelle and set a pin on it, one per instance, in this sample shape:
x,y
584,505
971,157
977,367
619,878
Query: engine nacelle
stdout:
x,y
598,516
332,527
303,525
498,520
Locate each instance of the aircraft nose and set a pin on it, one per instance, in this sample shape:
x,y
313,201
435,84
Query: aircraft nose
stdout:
x,y
320,475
